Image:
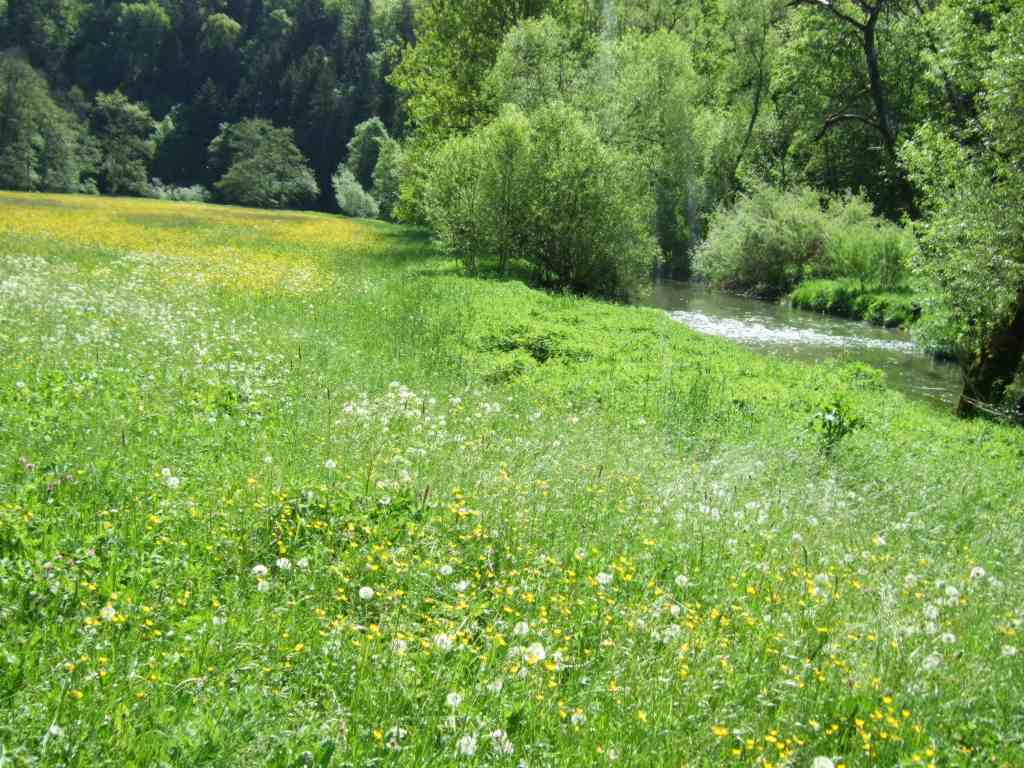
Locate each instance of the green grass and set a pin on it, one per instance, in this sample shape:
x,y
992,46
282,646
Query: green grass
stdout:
x,y
846,298
615,540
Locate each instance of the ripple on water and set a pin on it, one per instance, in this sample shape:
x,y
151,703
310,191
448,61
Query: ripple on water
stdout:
x,y
750,331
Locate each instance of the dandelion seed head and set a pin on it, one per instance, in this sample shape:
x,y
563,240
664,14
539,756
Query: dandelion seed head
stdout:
x,y
366,593
467,745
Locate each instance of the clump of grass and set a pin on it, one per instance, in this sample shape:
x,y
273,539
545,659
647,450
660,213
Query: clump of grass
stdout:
x,y
289,516
848,298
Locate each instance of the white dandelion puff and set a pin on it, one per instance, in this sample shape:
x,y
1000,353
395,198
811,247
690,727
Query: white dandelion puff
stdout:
x,y
467,745
366,593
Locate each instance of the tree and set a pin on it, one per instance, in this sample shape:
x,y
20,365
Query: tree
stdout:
x,y
264,168
387,175
364,150
39,141
972,235
124,131
442,76
352,199
544,188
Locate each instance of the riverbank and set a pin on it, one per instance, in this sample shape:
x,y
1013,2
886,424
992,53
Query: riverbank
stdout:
x,y
847,298
288,489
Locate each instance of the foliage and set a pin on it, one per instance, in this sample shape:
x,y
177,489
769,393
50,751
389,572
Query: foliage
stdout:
x,y
546,190
352,198
848,298
456,44
363,151
765,243
40,143
264,167
972,236
387,176
194,194
772,240
124,132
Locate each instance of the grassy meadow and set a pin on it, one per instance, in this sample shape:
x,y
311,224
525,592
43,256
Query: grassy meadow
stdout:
x,y
287,489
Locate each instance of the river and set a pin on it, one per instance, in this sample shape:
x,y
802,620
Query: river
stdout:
x,y
777,329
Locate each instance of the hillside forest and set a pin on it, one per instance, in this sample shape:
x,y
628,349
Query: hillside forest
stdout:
x,y
858,157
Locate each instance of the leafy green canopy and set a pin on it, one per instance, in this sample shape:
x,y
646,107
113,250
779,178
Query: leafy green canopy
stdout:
x,y
263,166
546,190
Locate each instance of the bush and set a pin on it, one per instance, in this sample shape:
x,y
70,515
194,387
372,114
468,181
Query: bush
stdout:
x,y
765,243
352,198
546,190
264,167
774,239
196,193
846,298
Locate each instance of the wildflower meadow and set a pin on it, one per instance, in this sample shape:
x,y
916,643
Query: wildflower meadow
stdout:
x,y
287,489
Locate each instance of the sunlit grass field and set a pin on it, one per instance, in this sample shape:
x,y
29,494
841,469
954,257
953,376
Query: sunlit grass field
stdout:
x,y
288,490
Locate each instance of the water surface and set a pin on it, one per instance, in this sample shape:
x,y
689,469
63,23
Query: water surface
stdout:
x,y
792,333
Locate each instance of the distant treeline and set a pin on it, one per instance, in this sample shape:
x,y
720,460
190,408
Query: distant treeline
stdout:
x,y
105,96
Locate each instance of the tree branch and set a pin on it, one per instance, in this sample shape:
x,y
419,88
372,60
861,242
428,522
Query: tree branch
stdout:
x,y
845,117
829,6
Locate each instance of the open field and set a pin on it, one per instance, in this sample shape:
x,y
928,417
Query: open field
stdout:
x,y
287,489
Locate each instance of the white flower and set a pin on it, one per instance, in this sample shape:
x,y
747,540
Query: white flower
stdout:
x,y
604,579
172,482
823,762
578,718
948,638
952,593
366,593
467,745
534,654
284,563
268,460
330,465
500,743
166,472
259,570
462,586
399,646
1009,650
931,662
977,572
445,570
443,641
674,609
56,731
453,699
521,629
303,563
107,612
497,684
931,612
395,735
682,581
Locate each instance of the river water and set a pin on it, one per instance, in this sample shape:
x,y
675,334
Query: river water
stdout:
x,y
792,333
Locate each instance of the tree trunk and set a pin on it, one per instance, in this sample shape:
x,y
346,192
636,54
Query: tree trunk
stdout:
x,y
994,369
886,123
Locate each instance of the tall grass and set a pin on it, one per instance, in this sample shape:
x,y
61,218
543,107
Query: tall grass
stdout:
x,y
286,489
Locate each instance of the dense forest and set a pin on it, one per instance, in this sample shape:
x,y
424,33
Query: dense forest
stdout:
x,y
865,157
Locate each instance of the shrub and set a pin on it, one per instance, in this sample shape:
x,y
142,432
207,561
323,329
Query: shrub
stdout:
x,y
774,239
352,198
546,190
764,244
196,193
